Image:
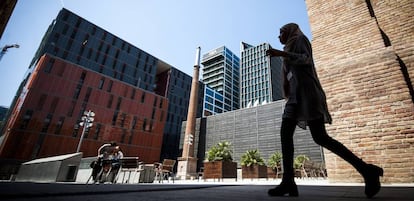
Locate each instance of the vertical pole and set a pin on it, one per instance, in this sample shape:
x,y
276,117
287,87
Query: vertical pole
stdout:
x,y
83,134
187,163
188,151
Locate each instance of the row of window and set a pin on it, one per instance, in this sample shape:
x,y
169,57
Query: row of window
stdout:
x,y
84,37
108,63
255,72
258,49
255,81
264,93
100,86
146,126
95,31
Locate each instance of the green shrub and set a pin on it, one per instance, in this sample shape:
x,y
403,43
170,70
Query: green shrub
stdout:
x,y
275,160
300,160
251,157
220,152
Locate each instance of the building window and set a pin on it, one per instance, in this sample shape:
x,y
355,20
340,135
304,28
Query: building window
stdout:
x,y
46,123
118,104
134,123
97,131
155,102
144,125
143,97
110,85
75,129
150,126
153,113
86,132
82,78
26,119
65,16
87,95
49,65
133,94
104,36
78,22
59,125
111,98
41,102
114,118
72,36
123,117
77,91
53,105
93,30
65,29
101,83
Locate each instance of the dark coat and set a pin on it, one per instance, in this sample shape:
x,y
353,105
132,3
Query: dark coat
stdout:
x,y
306,98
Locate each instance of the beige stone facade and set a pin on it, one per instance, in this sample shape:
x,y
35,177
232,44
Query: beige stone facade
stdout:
x,y
364,55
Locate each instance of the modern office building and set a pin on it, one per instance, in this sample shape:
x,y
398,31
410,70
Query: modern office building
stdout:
x,y
213,102
221,73
3,112
260,76
79,67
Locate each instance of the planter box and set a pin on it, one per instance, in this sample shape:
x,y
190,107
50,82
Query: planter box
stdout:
x,y
220,169
271,173
254,171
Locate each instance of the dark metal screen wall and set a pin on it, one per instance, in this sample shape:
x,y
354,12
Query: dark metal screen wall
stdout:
x,y
254,128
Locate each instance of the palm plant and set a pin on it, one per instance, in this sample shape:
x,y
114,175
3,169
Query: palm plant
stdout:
x,y
274,160
251,157
220,152
300,160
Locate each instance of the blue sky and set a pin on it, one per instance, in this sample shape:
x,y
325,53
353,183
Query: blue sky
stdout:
x,y
170,30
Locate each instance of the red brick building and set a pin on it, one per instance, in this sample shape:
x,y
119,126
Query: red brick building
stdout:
x,y
45,120
364,54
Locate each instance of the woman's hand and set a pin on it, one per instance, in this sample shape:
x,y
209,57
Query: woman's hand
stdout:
x,y
276,53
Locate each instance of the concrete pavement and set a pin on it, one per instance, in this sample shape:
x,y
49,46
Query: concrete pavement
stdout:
x,y
311,190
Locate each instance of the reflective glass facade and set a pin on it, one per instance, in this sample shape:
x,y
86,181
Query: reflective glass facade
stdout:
x,y
221,73
260,76
213,102
76,40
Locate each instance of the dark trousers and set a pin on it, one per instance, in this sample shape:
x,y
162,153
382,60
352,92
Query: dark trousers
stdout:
x,y
319,135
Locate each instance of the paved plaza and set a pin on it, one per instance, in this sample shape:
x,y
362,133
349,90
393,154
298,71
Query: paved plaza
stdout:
x,y
309,190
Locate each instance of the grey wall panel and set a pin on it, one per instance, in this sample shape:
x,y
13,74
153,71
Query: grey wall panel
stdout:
x,y
256,128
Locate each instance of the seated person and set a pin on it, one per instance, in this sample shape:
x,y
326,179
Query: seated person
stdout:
x,y
107,153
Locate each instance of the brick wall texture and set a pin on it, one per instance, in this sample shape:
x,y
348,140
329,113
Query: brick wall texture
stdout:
x,y
356,46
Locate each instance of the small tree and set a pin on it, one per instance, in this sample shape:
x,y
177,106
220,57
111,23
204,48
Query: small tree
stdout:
x,y
300,160
274,160
251,157
220,152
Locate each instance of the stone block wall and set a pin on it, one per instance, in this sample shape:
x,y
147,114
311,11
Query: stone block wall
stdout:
x,y
364,55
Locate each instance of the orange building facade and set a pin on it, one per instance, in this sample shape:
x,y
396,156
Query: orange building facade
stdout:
x,y
45,119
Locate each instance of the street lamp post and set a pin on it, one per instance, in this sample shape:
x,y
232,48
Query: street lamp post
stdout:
x,y
87,122
4,49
